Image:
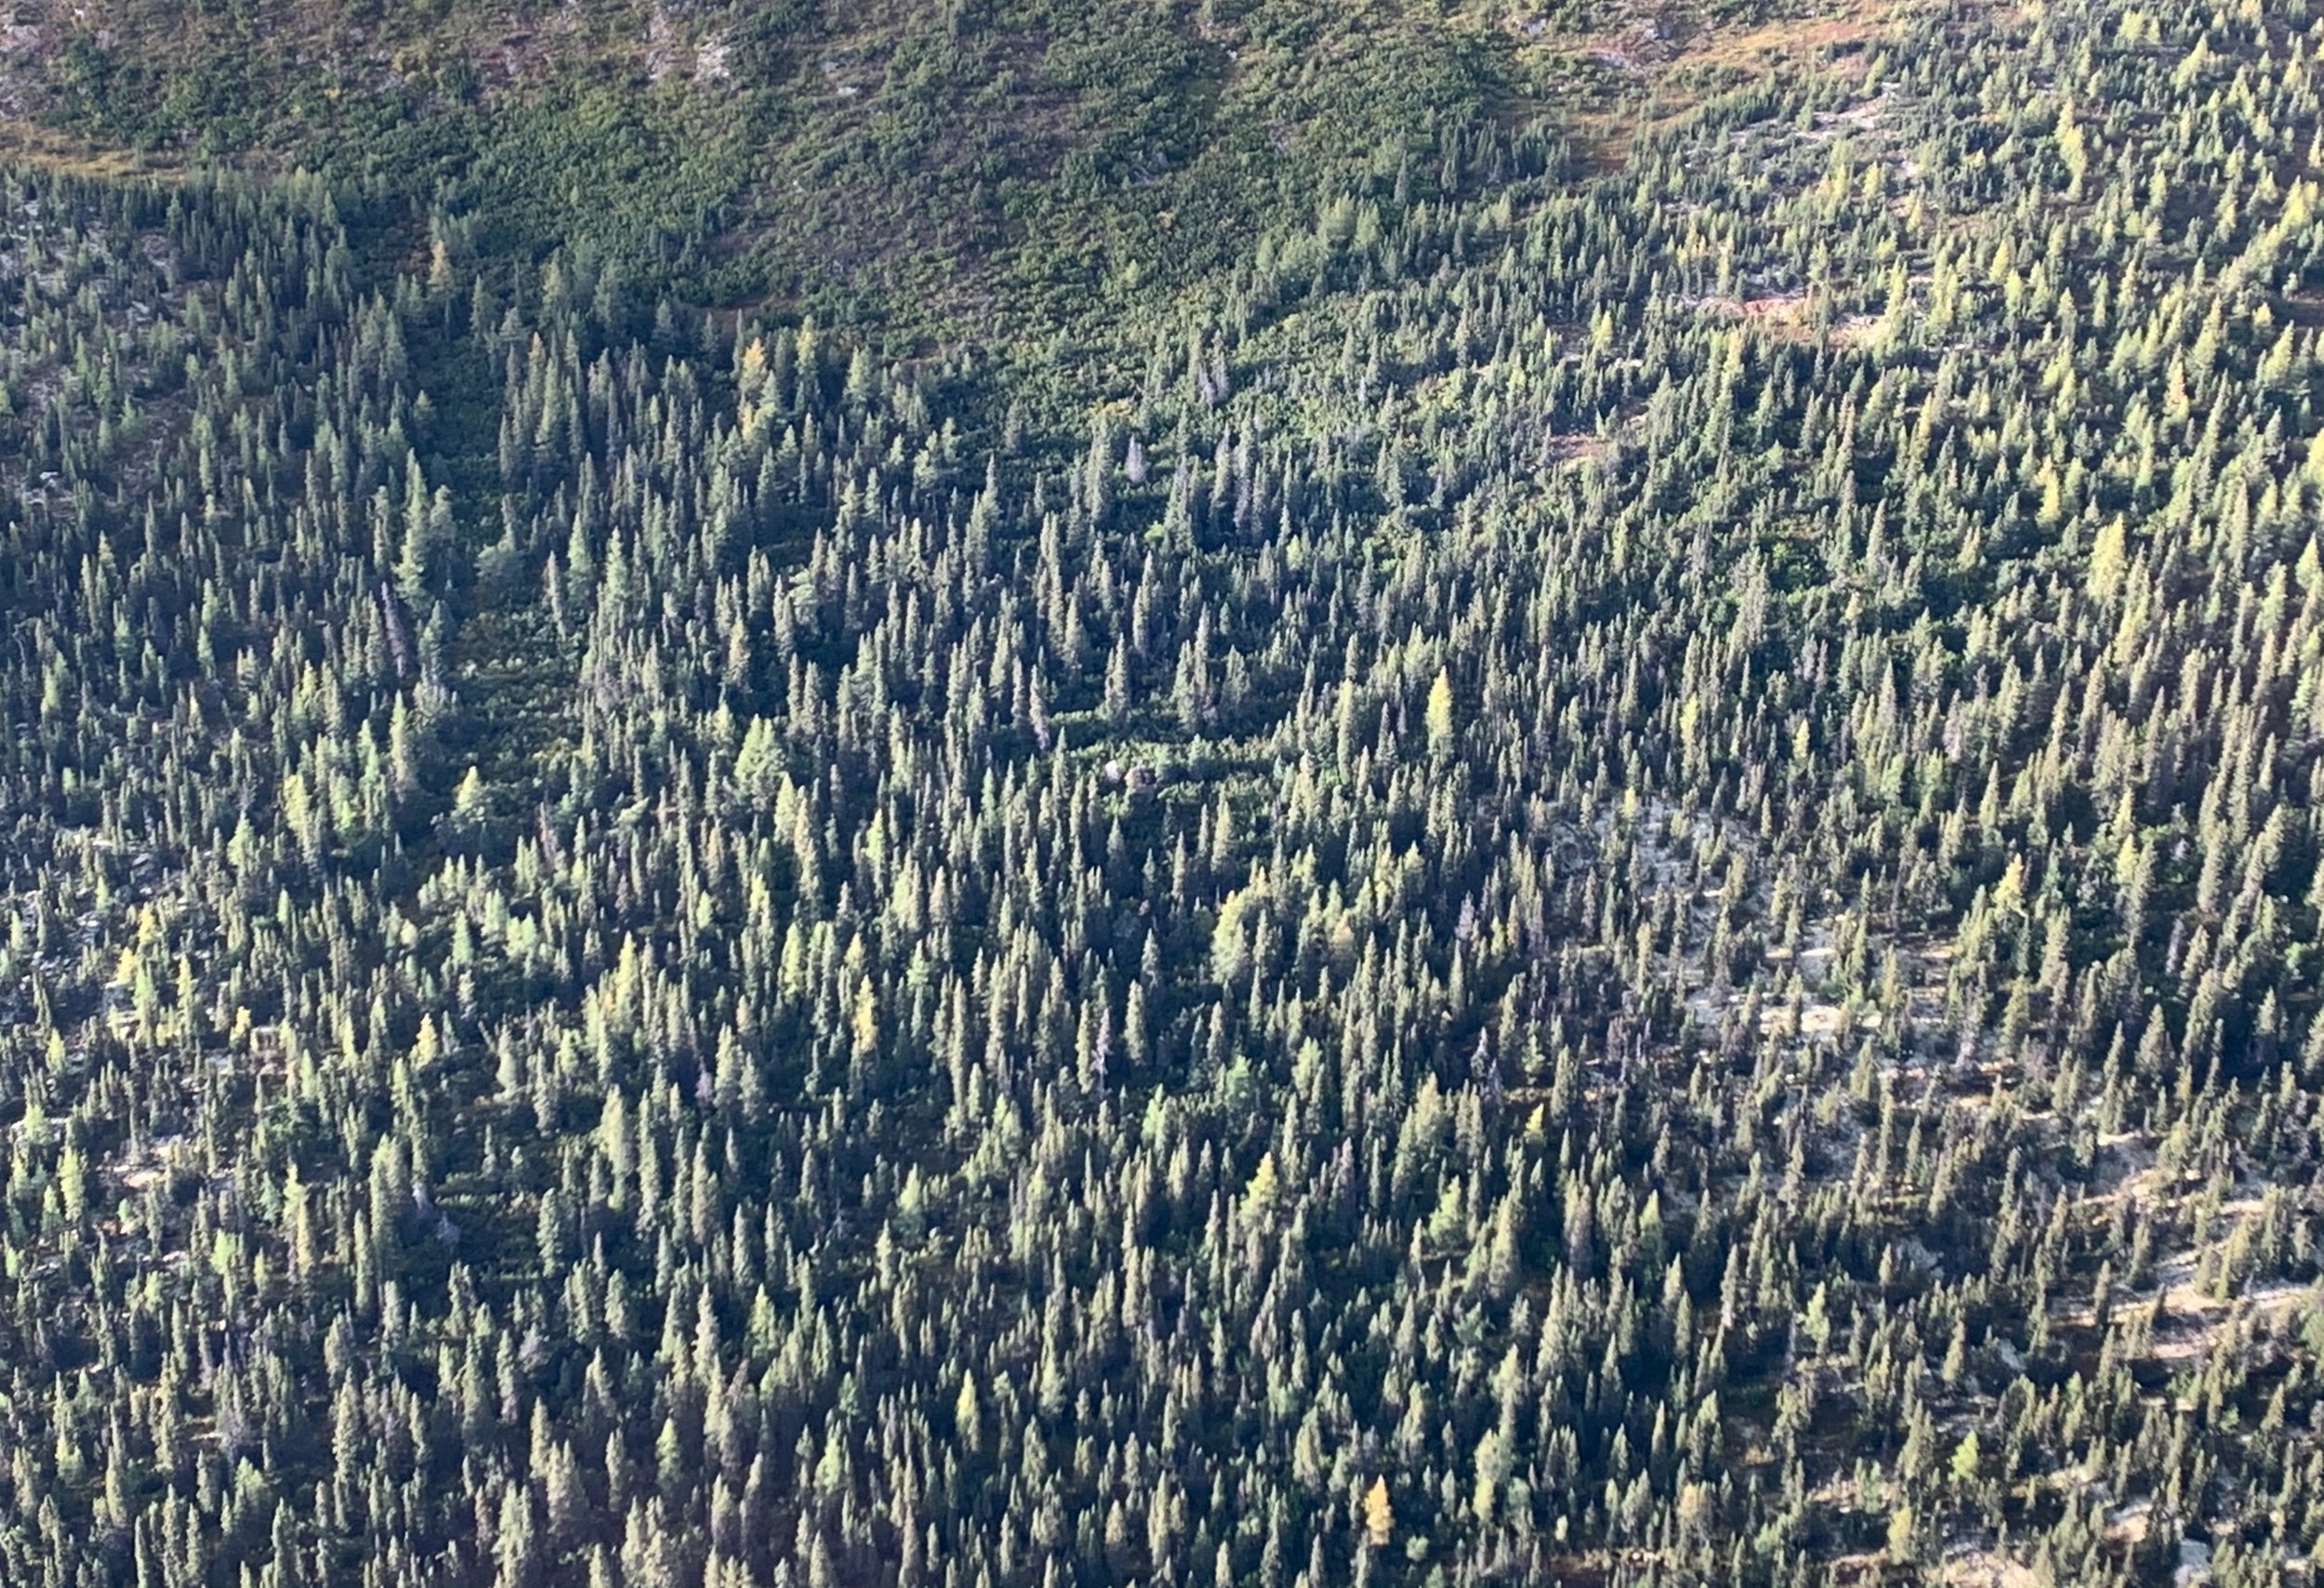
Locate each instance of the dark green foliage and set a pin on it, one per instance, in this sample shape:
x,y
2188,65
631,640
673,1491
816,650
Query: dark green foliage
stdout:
x,y
1499,877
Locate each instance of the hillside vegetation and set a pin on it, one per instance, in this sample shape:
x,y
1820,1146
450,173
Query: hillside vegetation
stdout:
x,y
1248,796
864,158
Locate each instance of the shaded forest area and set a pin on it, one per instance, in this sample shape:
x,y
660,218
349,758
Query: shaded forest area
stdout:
x,y
1584,856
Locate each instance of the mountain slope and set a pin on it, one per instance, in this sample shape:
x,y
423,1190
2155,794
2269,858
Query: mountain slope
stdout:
x,y
1583,848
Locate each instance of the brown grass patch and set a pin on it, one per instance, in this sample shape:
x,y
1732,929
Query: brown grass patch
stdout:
x,y
29,143
1667,60
1786,39
1578,447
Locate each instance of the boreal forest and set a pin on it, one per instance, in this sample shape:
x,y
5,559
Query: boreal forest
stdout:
x,y
1161,793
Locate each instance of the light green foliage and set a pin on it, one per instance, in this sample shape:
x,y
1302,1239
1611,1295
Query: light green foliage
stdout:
x,y
1480,864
